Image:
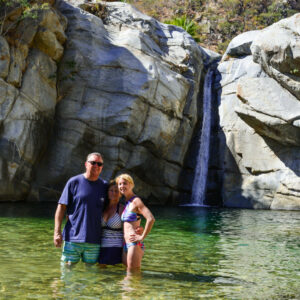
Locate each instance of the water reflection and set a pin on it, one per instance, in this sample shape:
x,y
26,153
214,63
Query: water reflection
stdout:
x,y
191,253
131,286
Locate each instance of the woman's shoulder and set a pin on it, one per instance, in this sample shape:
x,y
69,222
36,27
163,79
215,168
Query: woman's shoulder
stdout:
x,y
137,201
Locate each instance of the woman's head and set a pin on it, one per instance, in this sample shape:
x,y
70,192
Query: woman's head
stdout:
x,y
112,183
113,192
125,183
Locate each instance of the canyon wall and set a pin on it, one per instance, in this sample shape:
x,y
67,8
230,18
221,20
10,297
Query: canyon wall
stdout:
x,y
259,109
83,77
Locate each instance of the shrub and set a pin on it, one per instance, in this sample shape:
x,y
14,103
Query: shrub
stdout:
x,y
223,46
188,25
25,8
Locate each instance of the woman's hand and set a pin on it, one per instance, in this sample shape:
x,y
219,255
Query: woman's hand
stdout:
x,y
135,238
139,230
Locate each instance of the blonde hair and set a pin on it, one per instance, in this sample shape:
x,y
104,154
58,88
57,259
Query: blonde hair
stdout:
x,y
126,177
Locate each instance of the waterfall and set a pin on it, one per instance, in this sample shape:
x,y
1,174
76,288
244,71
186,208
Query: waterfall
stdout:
x,y
201,169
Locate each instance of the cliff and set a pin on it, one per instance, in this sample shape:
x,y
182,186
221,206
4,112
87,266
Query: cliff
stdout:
x,y
216,22
126,86
84,77
259,117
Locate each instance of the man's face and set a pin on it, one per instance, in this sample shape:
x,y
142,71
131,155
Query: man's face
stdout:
x,y
92,167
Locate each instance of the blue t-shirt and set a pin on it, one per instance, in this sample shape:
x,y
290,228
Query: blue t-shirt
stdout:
x,y
84,200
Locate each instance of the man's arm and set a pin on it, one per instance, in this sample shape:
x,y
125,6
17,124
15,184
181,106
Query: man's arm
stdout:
x,y
59,215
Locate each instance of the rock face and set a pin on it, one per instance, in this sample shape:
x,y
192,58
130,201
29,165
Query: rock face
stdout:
x,y
118,82
259,117
128,88
240,45
277,50
28,97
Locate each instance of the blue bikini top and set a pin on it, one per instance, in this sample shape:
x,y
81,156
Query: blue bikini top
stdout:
x,y
128,215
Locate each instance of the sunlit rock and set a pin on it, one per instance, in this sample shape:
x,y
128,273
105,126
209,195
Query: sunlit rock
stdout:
x,y
259,117
240,45
28,97
277,49
269,109
128,87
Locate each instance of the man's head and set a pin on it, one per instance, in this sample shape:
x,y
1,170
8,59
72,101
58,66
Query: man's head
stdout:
x,y
93,166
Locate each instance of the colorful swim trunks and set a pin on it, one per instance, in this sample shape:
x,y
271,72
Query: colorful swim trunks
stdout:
x,y
74,252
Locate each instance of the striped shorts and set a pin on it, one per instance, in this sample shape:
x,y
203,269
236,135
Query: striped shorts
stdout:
x,y
74,252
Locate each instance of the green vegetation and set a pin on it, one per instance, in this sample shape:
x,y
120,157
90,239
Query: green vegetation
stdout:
x,y
295,72
96,9
216,22
212,23
188,25
21,9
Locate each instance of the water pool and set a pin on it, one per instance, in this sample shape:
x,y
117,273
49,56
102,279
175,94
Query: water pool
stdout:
x,y
192,253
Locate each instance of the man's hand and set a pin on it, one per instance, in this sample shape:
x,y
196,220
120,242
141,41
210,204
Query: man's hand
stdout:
x,y
57,240
59,215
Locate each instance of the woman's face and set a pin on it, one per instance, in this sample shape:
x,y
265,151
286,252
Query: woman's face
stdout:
x,y
124,186
113,193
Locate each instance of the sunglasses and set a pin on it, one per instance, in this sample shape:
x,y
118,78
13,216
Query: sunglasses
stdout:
x,y
99,164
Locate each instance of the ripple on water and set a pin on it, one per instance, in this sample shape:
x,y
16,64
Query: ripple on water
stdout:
x,y
192,253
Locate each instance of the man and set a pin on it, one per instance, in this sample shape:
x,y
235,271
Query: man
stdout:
x,y
82,199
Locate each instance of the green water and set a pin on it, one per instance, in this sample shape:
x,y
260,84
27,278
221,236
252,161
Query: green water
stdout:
x,y
192,253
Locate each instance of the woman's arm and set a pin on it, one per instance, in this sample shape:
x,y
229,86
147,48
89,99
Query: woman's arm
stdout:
x,y
140,207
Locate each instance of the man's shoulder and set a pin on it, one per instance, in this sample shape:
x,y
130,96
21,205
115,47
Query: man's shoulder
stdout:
x,y
75,179
78,179
102,181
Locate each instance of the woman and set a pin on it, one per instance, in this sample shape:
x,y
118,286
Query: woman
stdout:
x,y
133,247
112,233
